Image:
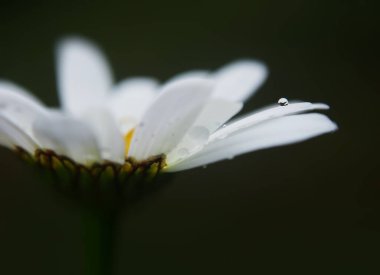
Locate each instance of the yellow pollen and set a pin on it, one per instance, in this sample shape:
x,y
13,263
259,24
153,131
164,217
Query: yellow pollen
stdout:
x,y
128,140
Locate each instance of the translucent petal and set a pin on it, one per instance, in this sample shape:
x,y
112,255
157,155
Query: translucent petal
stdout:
x,y
108,135
170,116
67,136
276,132
214,115
84,77
267,114
19,106
190,74
130,100
239,80
11,136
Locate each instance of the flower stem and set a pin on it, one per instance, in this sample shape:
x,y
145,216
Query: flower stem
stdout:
x,y
98,240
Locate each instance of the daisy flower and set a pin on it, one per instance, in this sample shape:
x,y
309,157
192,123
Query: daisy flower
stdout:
x,y
139,126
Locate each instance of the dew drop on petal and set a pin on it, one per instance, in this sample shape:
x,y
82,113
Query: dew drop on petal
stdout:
x,y
283,102
199,133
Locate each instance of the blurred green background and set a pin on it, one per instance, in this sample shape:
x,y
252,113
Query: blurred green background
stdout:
x,y
311,208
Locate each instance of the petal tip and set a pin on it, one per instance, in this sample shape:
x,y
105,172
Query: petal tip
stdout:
x,y
196,81
73,40
322,106
74,44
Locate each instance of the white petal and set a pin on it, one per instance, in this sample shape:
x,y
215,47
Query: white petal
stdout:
x,y
276,132
8,88
130,100
214,115
267,114
136,85
189,75
239,80
67,136
84,76
19,106
11,135
109,137
170,116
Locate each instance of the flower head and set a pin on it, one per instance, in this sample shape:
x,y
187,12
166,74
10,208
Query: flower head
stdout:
x,y
139,125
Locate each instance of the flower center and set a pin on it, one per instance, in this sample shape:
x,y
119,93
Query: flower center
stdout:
x,y
128,140
105,180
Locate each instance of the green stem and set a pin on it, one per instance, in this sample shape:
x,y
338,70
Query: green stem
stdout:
x,y
98,237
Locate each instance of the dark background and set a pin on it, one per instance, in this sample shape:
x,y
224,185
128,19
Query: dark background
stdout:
x,y
310,208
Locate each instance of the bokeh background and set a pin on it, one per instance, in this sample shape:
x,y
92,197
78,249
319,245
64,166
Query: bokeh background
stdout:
x,y
311,208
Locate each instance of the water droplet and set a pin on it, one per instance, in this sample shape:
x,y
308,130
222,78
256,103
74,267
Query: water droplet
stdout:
x,y
283,102
183,152
199,133
224,126
204,166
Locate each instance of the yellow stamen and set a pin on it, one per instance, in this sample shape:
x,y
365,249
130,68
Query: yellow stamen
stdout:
x,y
128,140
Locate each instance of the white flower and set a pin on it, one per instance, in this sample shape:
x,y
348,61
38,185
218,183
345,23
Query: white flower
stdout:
x,y
183,119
